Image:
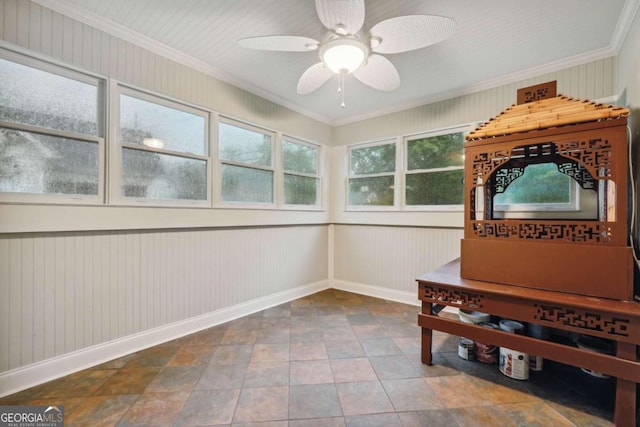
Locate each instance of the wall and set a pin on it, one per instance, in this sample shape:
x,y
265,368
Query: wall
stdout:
x,y
628,86
82,284
385,260
76,299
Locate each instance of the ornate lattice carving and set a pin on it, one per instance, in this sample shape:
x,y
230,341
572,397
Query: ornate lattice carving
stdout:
x,y
485,163
590,159
579,173
439,294
504,177
569,232
594,154
583,320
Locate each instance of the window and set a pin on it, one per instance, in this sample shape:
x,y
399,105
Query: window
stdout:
x,y
372,174
541,188
51,136
301,178
435,169
53,148
164,149
246,159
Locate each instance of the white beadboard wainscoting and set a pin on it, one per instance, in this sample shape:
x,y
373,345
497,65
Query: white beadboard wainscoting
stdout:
x,y
384,261
73,300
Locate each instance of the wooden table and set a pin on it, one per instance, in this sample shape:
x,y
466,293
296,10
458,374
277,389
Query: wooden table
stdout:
x,y
611,319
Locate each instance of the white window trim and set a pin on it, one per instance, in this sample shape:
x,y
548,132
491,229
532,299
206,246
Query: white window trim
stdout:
x,y
395,174
72,74
115,147
218,201
318,175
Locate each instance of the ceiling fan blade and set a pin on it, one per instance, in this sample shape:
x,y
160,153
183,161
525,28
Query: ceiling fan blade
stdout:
x,y
405,33
379,73
280,43
342,16
313,78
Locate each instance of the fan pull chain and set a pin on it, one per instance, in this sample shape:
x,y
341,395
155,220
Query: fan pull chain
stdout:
x,y
341,88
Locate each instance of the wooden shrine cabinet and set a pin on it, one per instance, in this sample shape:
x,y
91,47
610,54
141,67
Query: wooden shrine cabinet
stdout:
x,y
573,272
587,142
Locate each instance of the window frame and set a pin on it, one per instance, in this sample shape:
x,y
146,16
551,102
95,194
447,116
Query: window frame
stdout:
x,y
317,176
117,147
395,174
464,129
71,73
218,200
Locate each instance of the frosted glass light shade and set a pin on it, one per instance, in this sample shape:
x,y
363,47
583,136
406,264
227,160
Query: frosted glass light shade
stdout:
x,y
343,55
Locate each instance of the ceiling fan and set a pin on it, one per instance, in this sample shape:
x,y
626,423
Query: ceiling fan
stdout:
x,y
349,49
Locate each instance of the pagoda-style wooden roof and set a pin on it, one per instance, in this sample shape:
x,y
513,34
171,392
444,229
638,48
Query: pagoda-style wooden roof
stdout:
x,y
546,113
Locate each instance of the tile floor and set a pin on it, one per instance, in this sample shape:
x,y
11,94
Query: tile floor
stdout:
x,y
329,359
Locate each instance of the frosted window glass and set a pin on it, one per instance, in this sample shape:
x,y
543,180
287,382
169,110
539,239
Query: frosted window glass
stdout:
x,y
374,191
39,98
300,190
176,130
244,146
241,184
152,175
299,158
35,163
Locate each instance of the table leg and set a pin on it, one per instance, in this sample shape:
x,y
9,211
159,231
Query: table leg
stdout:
x,y
427,308
625,411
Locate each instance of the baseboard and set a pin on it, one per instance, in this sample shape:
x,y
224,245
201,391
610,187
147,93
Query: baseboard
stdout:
x,y
47,370
377,291
410,298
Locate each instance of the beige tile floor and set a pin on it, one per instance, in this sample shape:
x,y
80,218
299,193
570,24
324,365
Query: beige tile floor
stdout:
x,y
330,359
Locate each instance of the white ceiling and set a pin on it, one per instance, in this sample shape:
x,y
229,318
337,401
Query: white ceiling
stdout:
x,y
496,41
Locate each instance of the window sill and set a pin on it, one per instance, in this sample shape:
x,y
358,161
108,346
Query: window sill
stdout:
x,y
38,218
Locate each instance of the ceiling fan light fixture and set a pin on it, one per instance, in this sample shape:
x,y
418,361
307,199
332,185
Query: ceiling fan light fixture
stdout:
x,y
343,55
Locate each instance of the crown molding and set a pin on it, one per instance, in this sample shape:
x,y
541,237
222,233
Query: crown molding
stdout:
x,y
628,14
65,8
501,80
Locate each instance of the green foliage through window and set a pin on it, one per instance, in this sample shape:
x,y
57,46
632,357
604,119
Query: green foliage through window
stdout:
x,y
375,159
435,151
435,188
540,183
299,158
301,181
379,163
435,170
